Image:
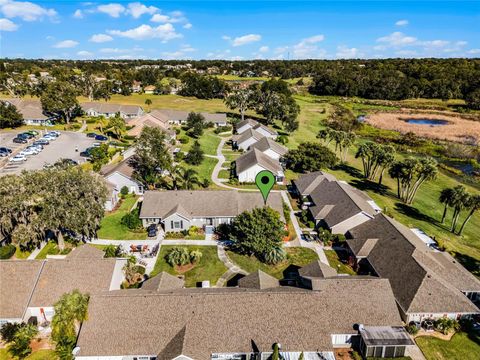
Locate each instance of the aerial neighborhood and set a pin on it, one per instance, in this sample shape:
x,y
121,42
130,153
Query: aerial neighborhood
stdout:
x,y
157,207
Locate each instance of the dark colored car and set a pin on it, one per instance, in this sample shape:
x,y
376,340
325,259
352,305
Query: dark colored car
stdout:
x,y
25,135
152,230
101,138
6,150
41,142
86,153
20,140
92,135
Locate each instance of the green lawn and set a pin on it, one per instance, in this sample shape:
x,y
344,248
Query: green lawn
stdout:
x,y
295,256
112,229
208,142
209,268
224,174
462,346
335,263
19,254
205,169
37,355
52,249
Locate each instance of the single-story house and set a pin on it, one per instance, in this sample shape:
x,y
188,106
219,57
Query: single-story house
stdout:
x,y
247,124
336,204
427,284
31,111
152,119
248,165
270,148
110,110
179,117
35,285
149,89
266,131
384,341
237,322
136,86
246,139
121,175
306,183
179,210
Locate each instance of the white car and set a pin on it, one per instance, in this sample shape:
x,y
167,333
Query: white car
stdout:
x,y
96,144
49,137
35,150
18,158
27,152
54,133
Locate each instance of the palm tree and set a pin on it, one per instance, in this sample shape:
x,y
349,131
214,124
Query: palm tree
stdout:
x,y
275,255
176,175
446,197
473,203
189,179
459,200
148,102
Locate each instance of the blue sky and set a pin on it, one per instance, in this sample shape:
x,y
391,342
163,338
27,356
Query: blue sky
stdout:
x,y
239,29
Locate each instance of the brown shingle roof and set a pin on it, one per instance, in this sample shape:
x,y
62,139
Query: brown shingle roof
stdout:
x,y
423,281
149,120
267,143
109,108
30,109
123,167
86,251
246,135
250,122
256,157
163,281
17,280
205,203
199,322
61,276
317,269
265,128
258,280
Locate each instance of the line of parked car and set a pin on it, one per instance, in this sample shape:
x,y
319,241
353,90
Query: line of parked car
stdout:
x,y
35,148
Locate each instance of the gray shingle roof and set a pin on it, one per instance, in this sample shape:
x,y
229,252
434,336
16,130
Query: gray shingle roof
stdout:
x,y
317,269
86,251
341,200
256,157
109,108
199,322
163,281
205,203
258,280
17,279
265,128
267,143
306,183
250,122
246,135
30,109
123,167
423,281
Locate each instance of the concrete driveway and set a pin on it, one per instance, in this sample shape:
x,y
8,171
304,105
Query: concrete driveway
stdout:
x,y
62,148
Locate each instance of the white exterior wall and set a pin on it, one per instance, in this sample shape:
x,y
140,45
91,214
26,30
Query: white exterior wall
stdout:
x,y
424,316
344,226
120,181
243,128
265,133
249,174
342,340
117,276
35,311
246,144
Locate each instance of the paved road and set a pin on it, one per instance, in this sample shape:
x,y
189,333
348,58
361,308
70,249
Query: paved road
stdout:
x,y
62,147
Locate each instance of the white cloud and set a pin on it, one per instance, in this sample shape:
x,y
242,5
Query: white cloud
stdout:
x,y
473,51
66,44
397,38
307,48
7,25
25,10
78,14
435,43
402,22
100,38
264,49
187,26
164,32
179,54
114,10
236,58
137,9
243,40
344,52
406,53
160,18
85,54
120,51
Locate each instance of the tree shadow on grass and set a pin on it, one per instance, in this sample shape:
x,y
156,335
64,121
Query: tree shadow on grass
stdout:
x,y
365,185
350,170
468,262
414,213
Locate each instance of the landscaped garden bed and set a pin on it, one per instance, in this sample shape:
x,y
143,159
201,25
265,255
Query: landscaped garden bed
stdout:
x,y
335,261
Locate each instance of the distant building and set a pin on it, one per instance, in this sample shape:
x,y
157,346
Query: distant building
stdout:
x,y
110,110
150,89
32,112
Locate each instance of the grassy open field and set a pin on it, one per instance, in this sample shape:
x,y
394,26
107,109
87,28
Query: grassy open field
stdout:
x,y
111,227
209,267
462,346
295,256
43,354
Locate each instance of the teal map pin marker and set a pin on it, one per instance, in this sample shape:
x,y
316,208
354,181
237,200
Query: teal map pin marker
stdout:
x,y
265,181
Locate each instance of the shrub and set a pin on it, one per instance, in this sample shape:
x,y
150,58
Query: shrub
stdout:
x,y
177,131
8,331
178,256
195,256
112,251
7,251
222,129
184,139
412,329
445,325
124,191
275,255
132,220
179,156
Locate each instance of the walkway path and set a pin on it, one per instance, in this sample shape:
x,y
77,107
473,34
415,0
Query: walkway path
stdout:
x,y
35,252
83,128
232,268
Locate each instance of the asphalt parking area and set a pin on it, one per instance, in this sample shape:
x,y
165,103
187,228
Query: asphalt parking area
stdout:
x,y
62,148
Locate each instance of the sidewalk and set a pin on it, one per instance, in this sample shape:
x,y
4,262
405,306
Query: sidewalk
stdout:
x,y
35,252
232,268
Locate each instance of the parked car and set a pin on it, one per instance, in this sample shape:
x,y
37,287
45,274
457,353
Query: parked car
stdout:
x,y
25,135
18,158
55,133
29,152
35,149
41,142
32,132
5,149
96,144
20,140
86,152
50,137
101,138
91,135
3,154
152,230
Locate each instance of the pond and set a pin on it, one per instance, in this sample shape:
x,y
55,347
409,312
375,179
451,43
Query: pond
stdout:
x,y
431,122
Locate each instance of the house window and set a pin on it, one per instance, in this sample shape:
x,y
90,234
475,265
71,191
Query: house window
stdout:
x,y
176,224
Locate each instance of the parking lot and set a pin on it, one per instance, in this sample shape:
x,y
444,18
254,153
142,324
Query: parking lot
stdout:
x,y
62,148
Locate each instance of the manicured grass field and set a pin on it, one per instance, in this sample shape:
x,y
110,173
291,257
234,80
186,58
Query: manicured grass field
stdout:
x,y
462,346
295,256
335,263
205,169
224,174
43,354
111,227
52,249
19,254
208,142
209,267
